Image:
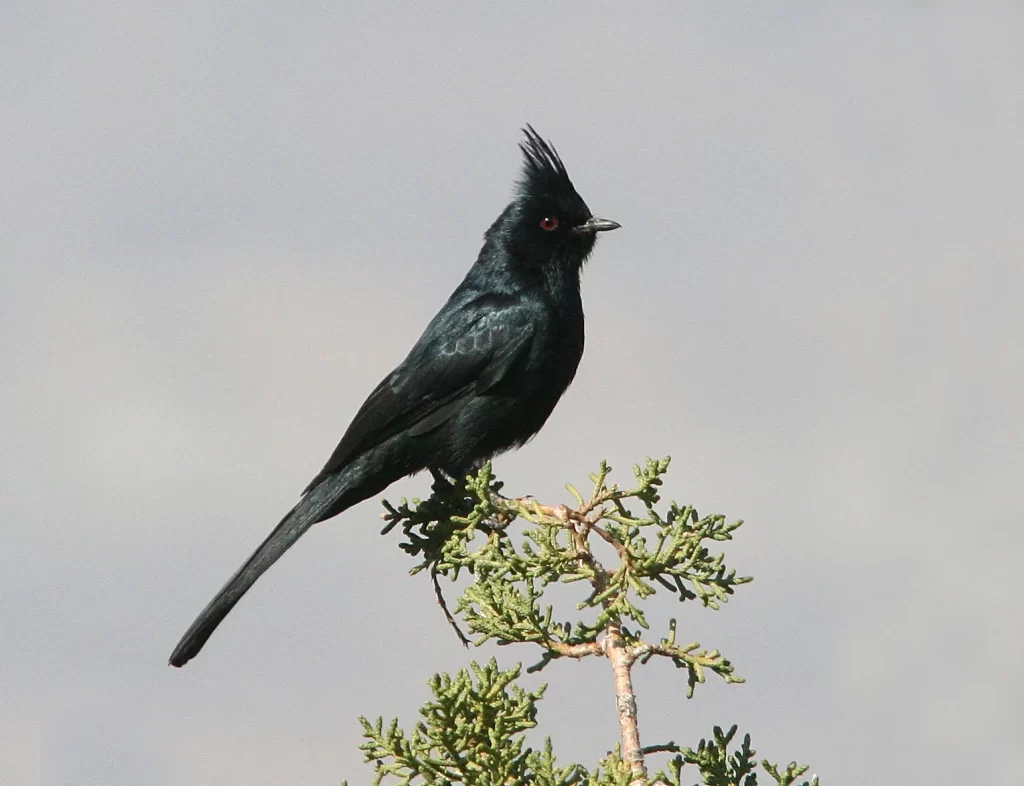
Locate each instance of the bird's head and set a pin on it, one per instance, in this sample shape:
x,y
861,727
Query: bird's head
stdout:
x,y
548,223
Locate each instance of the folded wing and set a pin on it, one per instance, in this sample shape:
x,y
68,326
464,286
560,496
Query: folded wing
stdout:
x,y
453,362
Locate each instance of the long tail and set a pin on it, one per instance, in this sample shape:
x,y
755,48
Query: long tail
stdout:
x,y
320,503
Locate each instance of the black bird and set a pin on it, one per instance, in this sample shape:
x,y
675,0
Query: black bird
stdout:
x,y
482,378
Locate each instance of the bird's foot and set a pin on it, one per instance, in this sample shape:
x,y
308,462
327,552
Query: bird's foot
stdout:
x,y
443,482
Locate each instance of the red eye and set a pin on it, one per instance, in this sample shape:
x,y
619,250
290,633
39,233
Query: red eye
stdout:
x,y
549,224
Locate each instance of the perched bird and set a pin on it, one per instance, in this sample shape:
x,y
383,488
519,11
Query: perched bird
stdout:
x,y
482,378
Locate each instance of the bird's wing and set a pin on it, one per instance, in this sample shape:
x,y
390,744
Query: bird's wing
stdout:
x,y
455,361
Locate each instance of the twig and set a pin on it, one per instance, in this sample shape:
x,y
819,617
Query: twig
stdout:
x,y
613,541
444,607
622,658
574,650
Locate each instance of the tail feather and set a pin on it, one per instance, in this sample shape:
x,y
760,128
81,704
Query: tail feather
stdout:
x,y
313,507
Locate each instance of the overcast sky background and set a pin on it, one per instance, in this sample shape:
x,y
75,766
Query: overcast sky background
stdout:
x,y
224,223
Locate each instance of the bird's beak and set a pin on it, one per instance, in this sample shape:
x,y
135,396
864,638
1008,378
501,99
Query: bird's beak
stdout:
x,y
592,225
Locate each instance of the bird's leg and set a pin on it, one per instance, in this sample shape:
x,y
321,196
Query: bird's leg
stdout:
x,y
474,470
443,482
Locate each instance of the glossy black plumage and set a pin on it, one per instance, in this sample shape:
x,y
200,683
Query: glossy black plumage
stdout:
x,y
483,377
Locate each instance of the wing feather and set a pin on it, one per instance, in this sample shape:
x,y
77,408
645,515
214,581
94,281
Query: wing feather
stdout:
x,y
450,365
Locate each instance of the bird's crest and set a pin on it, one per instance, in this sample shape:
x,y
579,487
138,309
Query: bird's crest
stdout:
x,y
543,171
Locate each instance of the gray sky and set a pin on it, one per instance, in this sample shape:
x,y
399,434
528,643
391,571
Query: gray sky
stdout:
x,y
224,224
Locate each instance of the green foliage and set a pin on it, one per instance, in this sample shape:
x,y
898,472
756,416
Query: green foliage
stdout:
x,y
472,731
720,768
468,529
